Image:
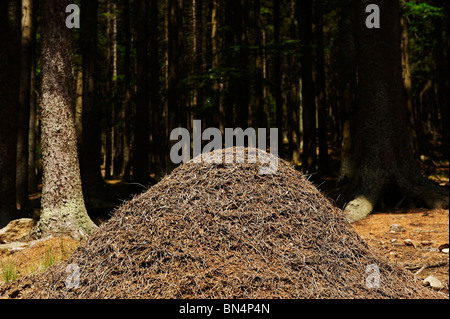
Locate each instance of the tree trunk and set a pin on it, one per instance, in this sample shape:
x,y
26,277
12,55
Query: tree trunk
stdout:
x,y
108,94
291,69
345,110
158,145
277,77
141,133
309,157
91,117
259,117
219,116
442,75
242,84
385,169
126,107
24,110
407,82
9,104
33,132
63,208
321,90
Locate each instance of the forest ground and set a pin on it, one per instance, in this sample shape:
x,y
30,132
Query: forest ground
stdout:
x,y
415,243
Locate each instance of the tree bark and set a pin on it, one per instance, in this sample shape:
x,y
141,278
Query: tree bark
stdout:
x,y
33,132
158,145
345,110
91,116
242,84
259,117
63,209
24,110
126,107
321,90
277,77
9,104
407,82
141,133
385,169
309,157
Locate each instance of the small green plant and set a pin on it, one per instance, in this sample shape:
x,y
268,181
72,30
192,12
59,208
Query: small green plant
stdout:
x,y
62,248
48,259
9,271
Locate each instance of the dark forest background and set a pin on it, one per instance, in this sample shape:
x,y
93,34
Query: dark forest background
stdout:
x,y
142,68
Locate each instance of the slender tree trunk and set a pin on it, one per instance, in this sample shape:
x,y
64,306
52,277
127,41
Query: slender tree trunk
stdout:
x,y
309,157
259,117
242,84
126,107
407,83
321,90
115,141
277,77
63,208
176,98
24,110
442,75
293,93
34,128
345,109
9,104
92,111
219,115
158,144
385,168
108,106
141,133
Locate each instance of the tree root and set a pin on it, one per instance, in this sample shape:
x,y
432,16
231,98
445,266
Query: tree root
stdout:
x,y
421,191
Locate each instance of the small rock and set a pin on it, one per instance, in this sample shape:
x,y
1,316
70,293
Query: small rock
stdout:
x,y
396,228
15,230
433,282
397,244
409,242
426,243
13,246
430,249
445,250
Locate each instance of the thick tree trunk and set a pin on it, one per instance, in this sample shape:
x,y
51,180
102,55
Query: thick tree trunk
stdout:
x,y
63,208
9,104
385,169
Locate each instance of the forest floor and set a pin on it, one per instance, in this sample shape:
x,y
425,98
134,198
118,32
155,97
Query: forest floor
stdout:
x,y
410,237
416,240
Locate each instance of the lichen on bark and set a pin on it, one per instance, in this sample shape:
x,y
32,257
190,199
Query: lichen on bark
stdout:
x,y
63,208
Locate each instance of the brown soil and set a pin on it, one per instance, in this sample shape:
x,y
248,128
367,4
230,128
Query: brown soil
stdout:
x,y
425,233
